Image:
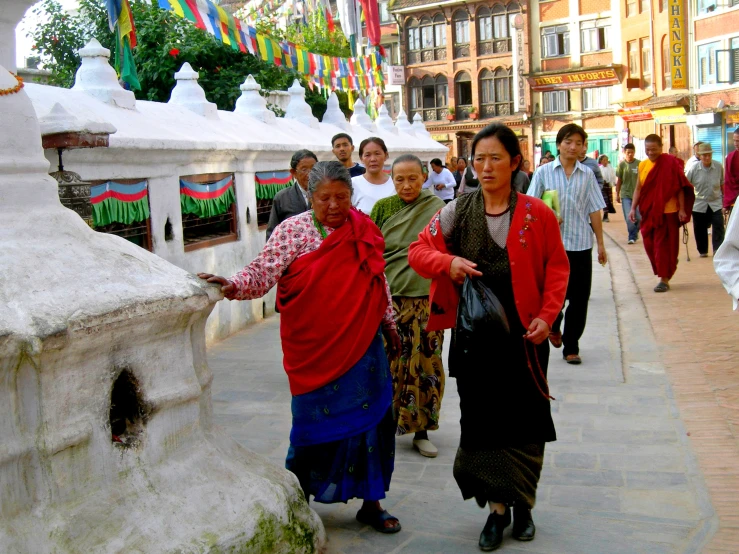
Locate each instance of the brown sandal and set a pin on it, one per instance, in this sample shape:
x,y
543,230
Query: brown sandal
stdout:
x,y
556,339
573,359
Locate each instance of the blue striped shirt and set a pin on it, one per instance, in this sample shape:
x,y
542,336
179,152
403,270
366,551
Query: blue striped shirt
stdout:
x,y
579,196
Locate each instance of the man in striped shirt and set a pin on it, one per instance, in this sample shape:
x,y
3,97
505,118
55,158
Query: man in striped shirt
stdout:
x,y
581,204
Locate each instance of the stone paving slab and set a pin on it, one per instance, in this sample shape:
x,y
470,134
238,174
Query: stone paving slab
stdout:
x,y
621,478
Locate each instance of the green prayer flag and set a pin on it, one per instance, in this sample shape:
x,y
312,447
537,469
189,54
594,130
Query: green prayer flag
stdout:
x,y
128,66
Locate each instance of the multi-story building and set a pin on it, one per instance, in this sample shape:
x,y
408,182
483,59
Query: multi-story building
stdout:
x,y
714,79
575,71
464,65
654,95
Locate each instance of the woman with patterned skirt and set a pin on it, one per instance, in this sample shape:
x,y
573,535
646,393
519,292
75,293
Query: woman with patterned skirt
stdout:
x,y
510,243
417,370
335,308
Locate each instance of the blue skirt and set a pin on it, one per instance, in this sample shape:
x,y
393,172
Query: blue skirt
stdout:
x,y
342,444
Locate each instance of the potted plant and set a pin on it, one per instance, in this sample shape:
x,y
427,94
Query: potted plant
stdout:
x,y
450,116
473,113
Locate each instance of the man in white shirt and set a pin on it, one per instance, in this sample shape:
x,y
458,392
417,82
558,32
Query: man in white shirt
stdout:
x,y
441,181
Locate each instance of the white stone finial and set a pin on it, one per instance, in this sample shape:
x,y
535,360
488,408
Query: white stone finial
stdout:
x,y
334,115
402,124
59,120
360,117
298,108
96,78
384,122
20,151
252,103
418,127
189,94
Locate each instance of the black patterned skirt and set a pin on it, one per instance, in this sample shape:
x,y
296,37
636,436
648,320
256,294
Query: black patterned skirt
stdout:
x,y
505,475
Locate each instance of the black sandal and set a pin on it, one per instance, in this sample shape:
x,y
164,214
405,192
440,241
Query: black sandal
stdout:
x,y
662,287
376,519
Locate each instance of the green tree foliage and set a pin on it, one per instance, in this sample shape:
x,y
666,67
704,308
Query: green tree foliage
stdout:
x,y
165,42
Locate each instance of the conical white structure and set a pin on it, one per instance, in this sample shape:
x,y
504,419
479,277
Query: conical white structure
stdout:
x,y
59,120
402,124
97,78
298,109
384,122
189,94
252,103
418,127
334,115
360,117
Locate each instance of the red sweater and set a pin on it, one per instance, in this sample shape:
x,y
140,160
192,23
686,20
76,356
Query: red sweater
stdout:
x,y
539,266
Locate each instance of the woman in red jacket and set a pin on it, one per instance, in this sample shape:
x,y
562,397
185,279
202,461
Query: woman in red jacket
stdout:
x,y
510,242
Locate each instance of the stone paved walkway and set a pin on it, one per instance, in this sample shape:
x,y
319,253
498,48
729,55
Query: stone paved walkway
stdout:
x,y
699,346
622,477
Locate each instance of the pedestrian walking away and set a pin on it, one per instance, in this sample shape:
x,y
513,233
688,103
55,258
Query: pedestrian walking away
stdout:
x,y
707,178
731,181
665,197
293,200
327,264
626,177
581,204
417,370
609,180
507,244
375,184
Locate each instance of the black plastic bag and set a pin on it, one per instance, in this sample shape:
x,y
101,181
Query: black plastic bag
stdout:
x,y
481,321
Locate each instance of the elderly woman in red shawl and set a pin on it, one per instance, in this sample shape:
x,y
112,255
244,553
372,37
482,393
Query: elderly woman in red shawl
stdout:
x,y
511,244
335,307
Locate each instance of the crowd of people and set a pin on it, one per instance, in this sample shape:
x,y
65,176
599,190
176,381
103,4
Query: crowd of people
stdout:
x,y
371,268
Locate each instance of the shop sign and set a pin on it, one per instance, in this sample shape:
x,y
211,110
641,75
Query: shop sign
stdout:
x,y
440,138
702,119
667,116
678,58
732,118
395,75
519,86
635,114
600,77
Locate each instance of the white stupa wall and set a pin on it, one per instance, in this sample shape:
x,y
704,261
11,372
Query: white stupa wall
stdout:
x,y
161,142
83,469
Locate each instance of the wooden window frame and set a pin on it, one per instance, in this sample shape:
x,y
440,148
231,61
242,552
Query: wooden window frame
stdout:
x,y
147,237
233,235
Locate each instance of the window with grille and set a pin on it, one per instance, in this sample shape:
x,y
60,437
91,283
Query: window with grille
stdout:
x,y
496,92
428,97
666,68
555,41
208,206
484,25
597,98
707,63
426,39
414,36
594,35
121,208
633,49
646,62
461,27
727,63
556,101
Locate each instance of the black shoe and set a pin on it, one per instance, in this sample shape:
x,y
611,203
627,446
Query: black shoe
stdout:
x,y
492,534
523,525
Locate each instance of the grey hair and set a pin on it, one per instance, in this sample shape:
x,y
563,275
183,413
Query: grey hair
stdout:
x,y
328,171
299,156
408,158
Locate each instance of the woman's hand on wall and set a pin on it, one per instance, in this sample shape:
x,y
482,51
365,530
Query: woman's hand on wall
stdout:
x,y
227,288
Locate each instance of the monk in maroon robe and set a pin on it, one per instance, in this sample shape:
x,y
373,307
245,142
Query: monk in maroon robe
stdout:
x,y
665,199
